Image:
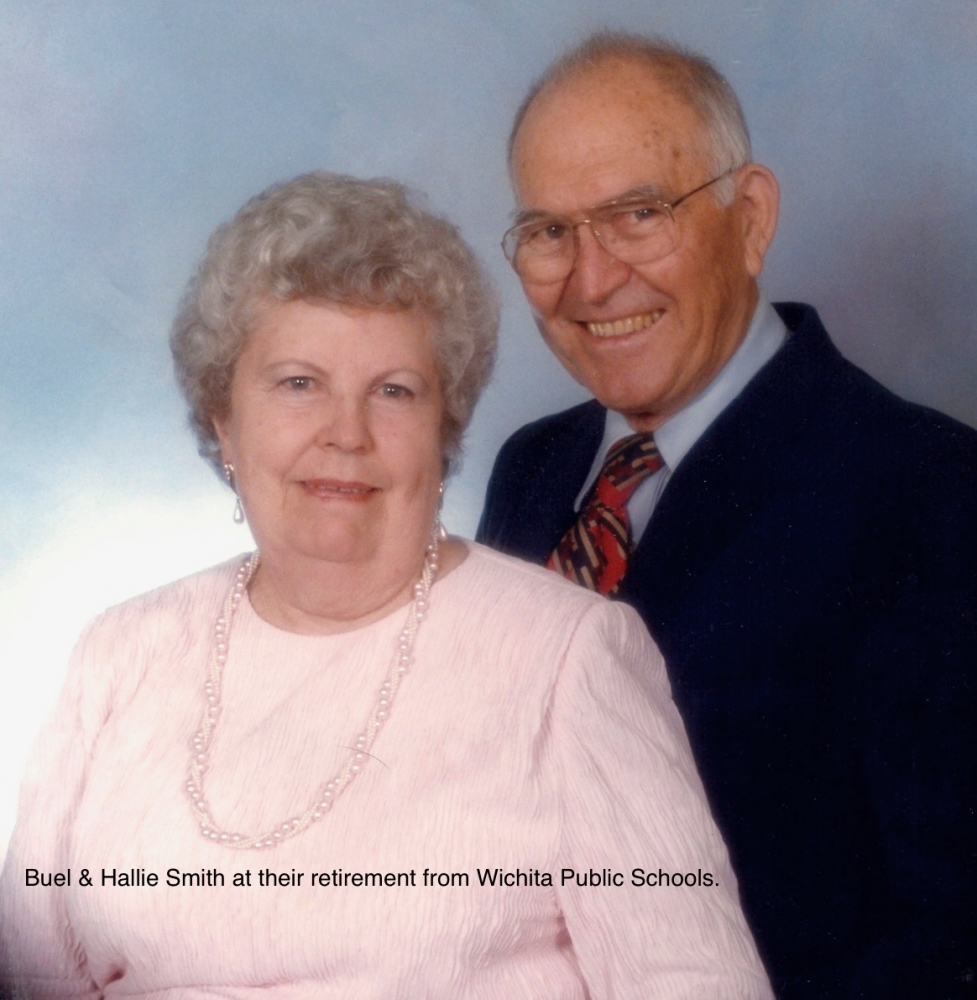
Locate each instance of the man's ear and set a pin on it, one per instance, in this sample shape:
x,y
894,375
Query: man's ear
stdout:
x,y
759,197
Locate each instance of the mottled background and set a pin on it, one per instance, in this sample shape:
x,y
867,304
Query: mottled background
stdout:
x,y
130,128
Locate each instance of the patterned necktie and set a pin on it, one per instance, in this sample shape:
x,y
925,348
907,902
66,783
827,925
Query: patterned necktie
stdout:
x,y
595,551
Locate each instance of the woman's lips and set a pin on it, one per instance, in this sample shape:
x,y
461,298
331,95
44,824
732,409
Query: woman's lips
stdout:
x,y
337,489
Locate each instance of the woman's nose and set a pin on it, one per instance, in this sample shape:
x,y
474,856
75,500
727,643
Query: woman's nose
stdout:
x,y
345,426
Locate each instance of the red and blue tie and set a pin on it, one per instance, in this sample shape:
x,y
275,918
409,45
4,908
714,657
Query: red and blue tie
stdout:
x,y
595,551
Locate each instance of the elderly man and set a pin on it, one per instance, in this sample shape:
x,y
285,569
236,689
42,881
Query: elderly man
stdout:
x,y
801,543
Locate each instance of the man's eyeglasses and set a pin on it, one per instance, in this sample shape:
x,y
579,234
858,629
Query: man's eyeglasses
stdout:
x,y
634,230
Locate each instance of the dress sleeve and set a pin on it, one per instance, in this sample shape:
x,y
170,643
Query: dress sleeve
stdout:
x,y
40,957
634,814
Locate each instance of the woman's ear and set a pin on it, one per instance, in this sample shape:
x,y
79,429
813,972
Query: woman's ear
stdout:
x,y
220,430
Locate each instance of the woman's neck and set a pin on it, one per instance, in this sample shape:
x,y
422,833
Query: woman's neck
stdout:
x,y
315,597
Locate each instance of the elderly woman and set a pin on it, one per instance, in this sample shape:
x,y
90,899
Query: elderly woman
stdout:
x,y
367,761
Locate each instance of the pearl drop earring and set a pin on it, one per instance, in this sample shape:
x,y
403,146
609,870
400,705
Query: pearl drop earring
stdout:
x,y
238,509
439,528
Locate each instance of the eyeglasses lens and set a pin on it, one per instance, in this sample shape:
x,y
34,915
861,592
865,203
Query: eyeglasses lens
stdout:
x,y
545,250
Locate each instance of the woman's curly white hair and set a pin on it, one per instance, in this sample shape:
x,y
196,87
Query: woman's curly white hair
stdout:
x,y
334,238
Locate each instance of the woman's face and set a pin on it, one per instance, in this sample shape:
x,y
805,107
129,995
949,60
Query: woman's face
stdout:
x,y
334,434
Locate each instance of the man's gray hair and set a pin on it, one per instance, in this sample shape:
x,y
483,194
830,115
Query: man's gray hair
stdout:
x,y
688,75
328,237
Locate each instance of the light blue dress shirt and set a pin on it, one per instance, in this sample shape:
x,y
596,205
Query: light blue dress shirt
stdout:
x,y
675,437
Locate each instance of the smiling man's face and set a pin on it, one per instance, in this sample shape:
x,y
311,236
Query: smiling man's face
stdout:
x,y
644,339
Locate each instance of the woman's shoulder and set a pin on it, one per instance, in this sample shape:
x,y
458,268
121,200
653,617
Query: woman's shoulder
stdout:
x,y
509,600
525,590
176,603
494,572
120,647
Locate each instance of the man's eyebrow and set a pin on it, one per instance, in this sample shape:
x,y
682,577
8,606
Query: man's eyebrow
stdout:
x,y
652,192
643,192
531,215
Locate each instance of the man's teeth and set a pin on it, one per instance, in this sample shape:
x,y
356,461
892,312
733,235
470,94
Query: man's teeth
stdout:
x,y
628,325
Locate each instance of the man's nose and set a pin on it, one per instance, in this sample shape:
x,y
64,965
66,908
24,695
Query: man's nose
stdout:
x,y
596,273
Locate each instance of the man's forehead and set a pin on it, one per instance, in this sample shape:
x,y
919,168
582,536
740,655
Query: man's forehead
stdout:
x,y
601,133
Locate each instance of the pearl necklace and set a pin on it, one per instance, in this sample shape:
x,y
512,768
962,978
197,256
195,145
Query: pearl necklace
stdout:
x,y
331,790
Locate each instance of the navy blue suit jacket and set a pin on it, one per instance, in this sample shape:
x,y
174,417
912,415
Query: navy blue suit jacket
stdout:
x,y
809,574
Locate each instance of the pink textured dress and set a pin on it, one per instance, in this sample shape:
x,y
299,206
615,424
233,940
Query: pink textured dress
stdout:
x,y
534,734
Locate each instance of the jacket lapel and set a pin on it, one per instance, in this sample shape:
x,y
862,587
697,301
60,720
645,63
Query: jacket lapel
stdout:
x,y
745,461
547,484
